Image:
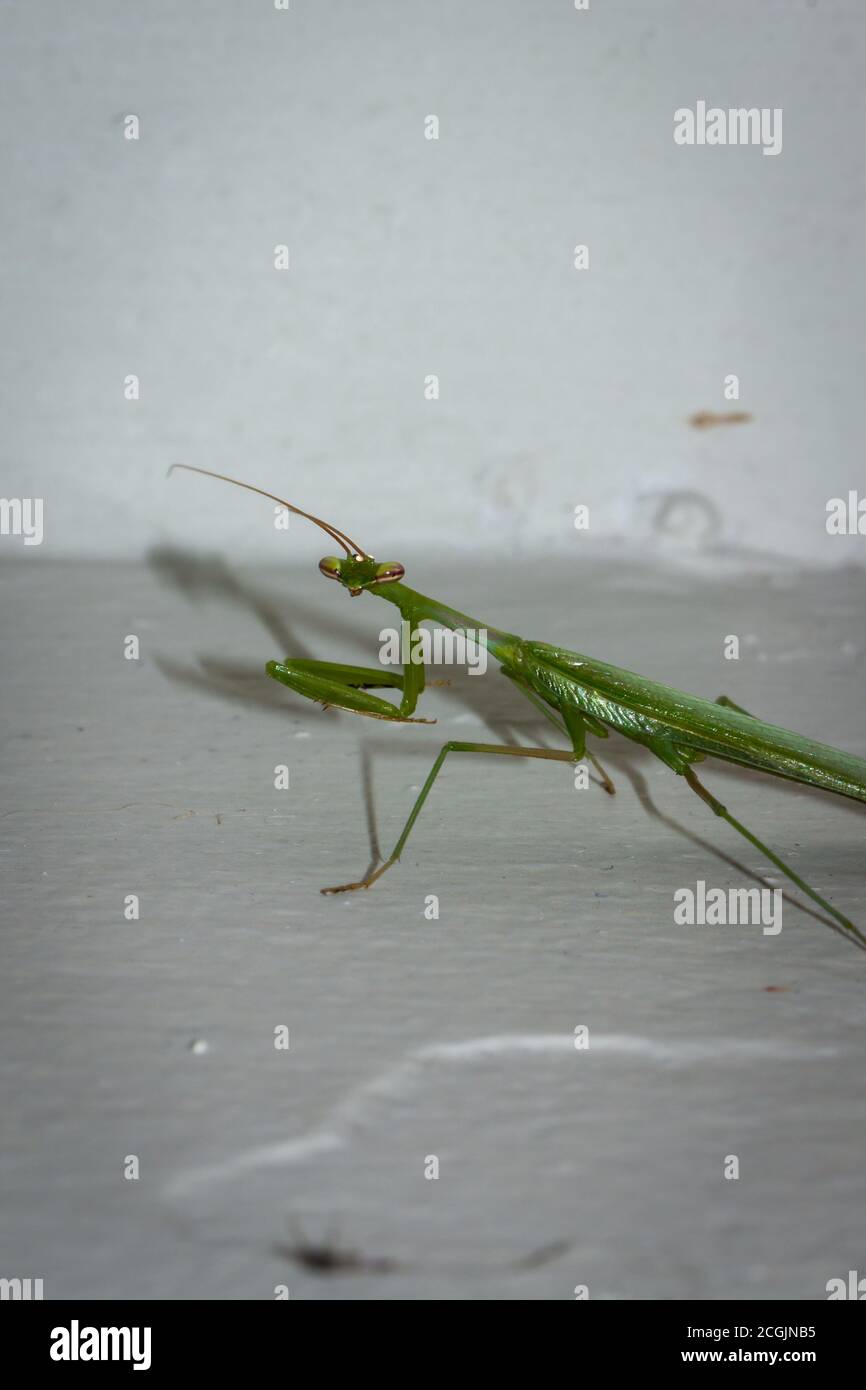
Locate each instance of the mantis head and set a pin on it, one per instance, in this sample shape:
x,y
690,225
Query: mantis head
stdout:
x,y
360,572
357,572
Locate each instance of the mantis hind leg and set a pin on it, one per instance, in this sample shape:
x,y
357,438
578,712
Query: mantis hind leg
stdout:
x,y
504,749
718,809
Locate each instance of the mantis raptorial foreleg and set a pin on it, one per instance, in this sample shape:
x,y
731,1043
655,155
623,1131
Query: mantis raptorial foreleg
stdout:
x,y
718,809
346,687
505,749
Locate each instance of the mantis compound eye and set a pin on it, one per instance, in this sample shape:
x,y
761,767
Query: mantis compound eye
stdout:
x,y
387,573
330,567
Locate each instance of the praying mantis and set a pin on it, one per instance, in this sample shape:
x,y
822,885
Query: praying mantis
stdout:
x,y
579,695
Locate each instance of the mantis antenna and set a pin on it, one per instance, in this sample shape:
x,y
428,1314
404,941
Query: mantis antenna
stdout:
x,y
352,549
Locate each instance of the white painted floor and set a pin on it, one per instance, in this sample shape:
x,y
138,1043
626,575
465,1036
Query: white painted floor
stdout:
x,y
410,1038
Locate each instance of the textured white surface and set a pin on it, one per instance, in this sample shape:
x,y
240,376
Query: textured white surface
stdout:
x,y
412,1037
411,257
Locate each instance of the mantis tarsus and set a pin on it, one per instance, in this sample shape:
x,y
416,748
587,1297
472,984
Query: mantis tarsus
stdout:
x,y
577,694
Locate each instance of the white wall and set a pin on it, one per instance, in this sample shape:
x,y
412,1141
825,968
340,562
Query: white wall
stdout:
x,y
410,257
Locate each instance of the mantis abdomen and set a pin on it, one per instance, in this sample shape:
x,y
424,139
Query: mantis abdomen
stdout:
x,y
661,716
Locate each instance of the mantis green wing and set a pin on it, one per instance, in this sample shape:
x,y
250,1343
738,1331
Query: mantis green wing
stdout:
x,y
676,725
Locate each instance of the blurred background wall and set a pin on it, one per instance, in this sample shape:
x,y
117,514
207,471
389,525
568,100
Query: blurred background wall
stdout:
x,y
412,257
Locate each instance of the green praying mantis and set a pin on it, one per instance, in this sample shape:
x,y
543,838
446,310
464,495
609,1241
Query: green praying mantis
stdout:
x,y
579,695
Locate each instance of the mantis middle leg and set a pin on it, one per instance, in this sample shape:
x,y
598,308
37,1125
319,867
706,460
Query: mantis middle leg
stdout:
x,y
502,749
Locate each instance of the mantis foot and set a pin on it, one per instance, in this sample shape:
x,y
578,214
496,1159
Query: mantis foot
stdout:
x,y
362,883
